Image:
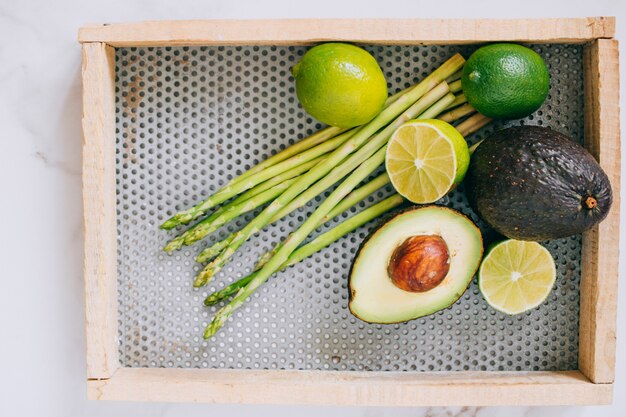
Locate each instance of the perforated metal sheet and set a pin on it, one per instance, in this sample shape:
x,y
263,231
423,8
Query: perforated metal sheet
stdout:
x,y
188,120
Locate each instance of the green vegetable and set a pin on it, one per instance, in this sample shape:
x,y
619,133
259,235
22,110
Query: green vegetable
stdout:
x,y
298,147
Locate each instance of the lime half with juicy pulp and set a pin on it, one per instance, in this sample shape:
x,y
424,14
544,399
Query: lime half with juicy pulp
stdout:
x,y
426,159
516,276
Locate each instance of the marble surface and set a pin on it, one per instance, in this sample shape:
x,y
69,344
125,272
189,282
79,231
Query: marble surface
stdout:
x,y
41,282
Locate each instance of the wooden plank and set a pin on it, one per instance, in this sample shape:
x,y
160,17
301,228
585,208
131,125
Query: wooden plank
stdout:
x,y
598,291
350,388
100,262
386,31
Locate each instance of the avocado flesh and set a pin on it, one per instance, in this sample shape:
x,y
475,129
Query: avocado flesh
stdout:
x,y
532,183
373,296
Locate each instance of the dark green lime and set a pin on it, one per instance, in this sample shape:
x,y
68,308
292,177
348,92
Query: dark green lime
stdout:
x,y
505,81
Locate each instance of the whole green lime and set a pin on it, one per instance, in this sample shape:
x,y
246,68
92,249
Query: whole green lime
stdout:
x,y
505,81
340,84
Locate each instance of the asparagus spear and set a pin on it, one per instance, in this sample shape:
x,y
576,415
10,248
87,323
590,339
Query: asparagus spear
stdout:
x,y
454,77
458,100
294,240
221,217
350,200
353,198
293,172
458,113
238,187
316,244
455,86
298,147
471,125
212,251
402,106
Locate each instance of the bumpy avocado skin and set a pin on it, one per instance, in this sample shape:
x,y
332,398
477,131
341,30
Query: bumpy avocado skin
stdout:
x,y
531,183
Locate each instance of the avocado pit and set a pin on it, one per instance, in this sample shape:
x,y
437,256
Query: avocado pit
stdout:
x,y
420,263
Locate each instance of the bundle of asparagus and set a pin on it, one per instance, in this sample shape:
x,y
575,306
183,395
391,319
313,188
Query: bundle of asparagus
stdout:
x,y
293,177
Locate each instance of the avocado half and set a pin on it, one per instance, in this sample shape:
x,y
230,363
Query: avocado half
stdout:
x,y
376,298
533,183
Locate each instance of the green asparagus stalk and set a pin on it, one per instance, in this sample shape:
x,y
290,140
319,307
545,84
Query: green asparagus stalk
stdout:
x,y
246,206
294,240
403,105
292,173
350,200
353,198
472,124
458,100
459,112
364,191
298,147
309,142
316,244
203,228
454,77
212,251
455,86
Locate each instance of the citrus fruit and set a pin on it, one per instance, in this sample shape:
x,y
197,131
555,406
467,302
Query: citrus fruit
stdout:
x,y
516,276
505,81
340,84
426,159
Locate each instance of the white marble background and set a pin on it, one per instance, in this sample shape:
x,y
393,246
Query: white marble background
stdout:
x,y
41,301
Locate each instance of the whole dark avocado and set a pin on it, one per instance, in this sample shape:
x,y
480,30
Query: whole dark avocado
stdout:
x,y
532,183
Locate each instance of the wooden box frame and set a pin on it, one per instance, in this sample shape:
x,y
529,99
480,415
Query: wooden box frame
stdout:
x,y
590,384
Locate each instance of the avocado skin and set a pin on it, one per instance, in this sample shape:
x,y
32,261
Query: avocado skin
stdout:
x,y
530,183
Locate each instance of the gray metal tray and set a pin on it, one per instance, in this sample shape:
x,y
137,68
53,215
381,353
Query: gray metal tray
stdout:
x,y
189,119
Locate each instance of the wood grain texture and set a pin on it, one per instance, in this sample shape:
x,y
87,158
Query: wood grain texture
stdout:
x,y
100,262
386,31
351,388
600,253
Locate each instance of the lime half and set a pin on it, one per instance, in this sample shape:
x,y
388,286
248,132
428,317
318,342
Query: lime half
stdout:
x,y
426,159
516,276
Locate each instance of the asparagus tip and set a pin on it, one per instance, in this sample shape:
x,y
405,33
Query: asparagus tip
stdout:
x,y
172,245
211,300
213,327
169,224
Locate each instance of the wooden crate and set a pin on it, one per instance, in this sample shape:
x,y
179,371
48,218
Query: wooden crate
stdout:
x,y
590,384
